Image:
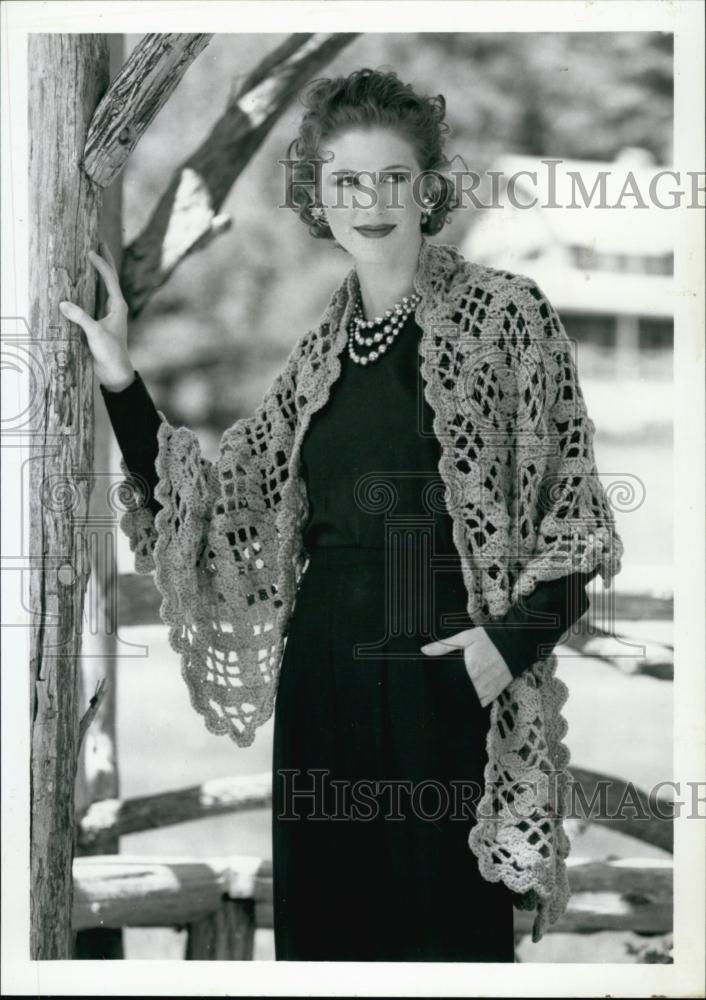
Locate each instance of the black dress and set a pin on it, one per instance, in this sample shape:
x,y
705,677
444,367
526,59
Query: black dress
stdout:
x,y
378,751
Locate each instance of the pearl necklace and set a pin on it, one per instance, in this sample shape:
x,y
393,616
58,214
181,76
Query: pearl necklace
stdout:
x,y
387,328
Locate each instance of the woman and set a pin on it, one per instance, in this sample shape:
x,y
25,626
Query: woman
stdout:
x,y
419,422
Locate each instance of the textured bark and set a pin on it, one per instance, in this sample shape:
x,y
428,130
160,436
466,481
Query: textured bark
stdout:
x,y
143,85
97,771
67,76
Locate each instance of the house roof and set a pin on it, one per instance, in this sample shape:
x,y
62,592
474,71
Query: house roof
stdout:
x,y
627,230
542,241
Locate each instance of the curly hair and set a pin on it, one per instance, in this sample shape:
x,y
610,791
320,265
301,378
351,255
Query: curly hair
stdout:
x,y
369,97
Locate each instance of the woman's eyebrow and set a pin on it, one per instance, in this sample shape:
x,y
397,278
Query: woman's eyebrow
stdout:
x,y
347,170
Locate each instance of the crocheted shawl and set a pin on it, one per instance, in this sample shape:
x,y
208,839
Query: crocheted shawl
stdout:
x,y
526,503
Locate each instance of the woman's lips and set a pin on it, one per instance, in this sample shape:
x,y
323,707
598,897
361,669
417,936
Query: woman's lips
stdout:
x,y
374,232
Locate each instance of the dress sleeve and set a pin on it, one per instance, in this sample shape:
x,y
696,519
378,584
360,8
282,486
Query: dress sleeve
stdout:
x,y
135,422
530,629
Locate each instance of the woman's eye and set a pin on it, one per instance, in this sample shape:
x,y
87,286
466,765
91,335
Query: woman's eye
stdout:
x,y
346,180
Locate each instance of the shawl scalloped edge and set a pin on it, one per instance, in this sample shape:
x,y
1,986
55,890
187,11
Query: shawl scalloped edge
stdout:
x,y
541,887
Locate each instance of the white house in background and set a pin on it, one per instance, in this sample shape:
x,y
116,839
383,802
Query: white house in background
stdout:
x,y
608,271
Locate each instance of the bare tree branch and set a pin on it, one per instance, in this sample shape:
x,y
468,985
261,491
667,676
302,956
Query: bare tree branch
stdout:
x,y
187,216
140,90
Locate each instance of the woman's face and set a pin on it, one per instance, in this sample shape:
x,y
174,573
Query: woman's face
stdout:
x,y
368,182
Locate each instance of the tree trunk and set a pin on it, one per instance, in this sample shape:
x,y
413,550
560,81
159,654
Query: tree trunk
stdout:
x,y
68,73
97,775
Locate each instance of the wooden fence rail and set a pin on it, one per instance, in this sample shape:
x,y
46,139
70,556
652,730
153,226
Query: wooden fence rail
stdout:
x,y
215,797
599,798
221,901
139,601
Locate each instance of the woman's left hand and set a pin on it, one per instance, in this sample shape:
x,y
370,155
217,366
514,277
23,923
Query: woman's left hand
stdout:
x,y
486,667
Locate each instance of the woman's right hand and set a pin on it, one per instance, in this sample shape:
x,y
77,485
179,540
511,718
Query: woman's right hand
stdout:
x,y
107,337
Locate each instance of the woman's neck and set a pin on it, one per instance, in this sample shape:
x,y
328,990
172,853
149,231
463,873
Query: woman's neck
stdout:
x,y
383,285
